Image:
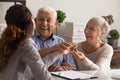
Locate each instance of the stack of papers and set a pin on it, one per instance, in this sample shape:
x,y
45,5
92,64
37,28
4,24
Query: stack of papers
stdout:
x,y
73,75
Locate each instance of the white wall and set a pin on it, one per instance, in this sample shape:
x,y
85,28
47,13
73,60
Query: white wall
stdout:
x,y
3,7
79,10
76,10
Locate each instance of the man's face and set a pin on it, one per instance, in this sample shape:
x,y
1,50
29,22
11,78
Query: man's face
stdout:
x,y
46,23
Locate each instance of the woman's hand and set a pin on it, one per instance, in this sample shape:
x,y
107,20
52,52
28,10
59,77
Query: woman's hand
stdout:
x,y
62,48
66,48
78,55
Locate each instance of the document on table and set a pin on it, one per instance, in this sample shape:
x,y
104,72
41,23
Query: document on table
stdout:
x,y
71,75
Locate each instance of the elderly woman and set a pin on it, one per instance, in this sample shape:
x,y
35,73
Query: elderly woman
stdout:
x,y
94,54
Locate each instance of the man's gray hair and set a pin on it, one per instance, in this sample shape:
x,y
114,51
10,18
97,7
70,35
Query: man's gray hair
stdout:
x,y
47,9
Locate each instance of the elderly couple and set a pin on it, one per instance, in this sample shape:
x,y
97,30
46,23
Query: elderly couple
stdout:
x,y
24,58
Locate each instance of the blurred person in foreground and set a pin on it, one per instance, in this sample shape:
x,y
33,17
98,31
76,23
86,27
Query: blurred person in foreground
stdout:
x,y
18,51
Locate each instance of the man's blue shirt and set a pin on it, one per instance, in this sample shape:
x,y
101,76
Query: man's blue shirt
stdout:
x,y
53,40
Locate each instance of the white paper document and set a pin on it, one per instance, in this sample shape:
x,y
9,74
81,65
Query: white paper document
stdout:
x,y
71,75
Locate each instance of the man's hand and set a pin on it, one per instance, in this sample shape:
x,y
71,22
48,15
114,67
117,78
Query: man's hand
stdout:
x,y
55,67
66,66
63,67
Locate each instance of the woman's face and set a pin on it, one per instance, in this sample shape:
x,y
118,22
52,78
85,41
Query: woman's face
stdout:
x,y
92,30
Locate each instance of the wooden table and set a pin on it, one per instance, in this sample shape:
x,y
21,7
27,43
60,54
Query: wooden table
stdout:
x,y
115,63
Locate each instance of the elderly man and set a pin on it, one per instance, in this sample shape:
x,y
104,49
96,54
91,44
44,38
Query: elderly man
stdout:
x,y
48,43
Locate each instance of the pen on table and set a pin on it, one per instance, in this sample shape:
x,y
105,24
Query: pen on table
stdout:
x,y
59,73
87,78
93,77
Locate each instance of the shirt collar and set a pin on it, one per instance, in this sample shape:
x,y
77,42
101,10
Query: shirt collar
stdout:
x,y
52,37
